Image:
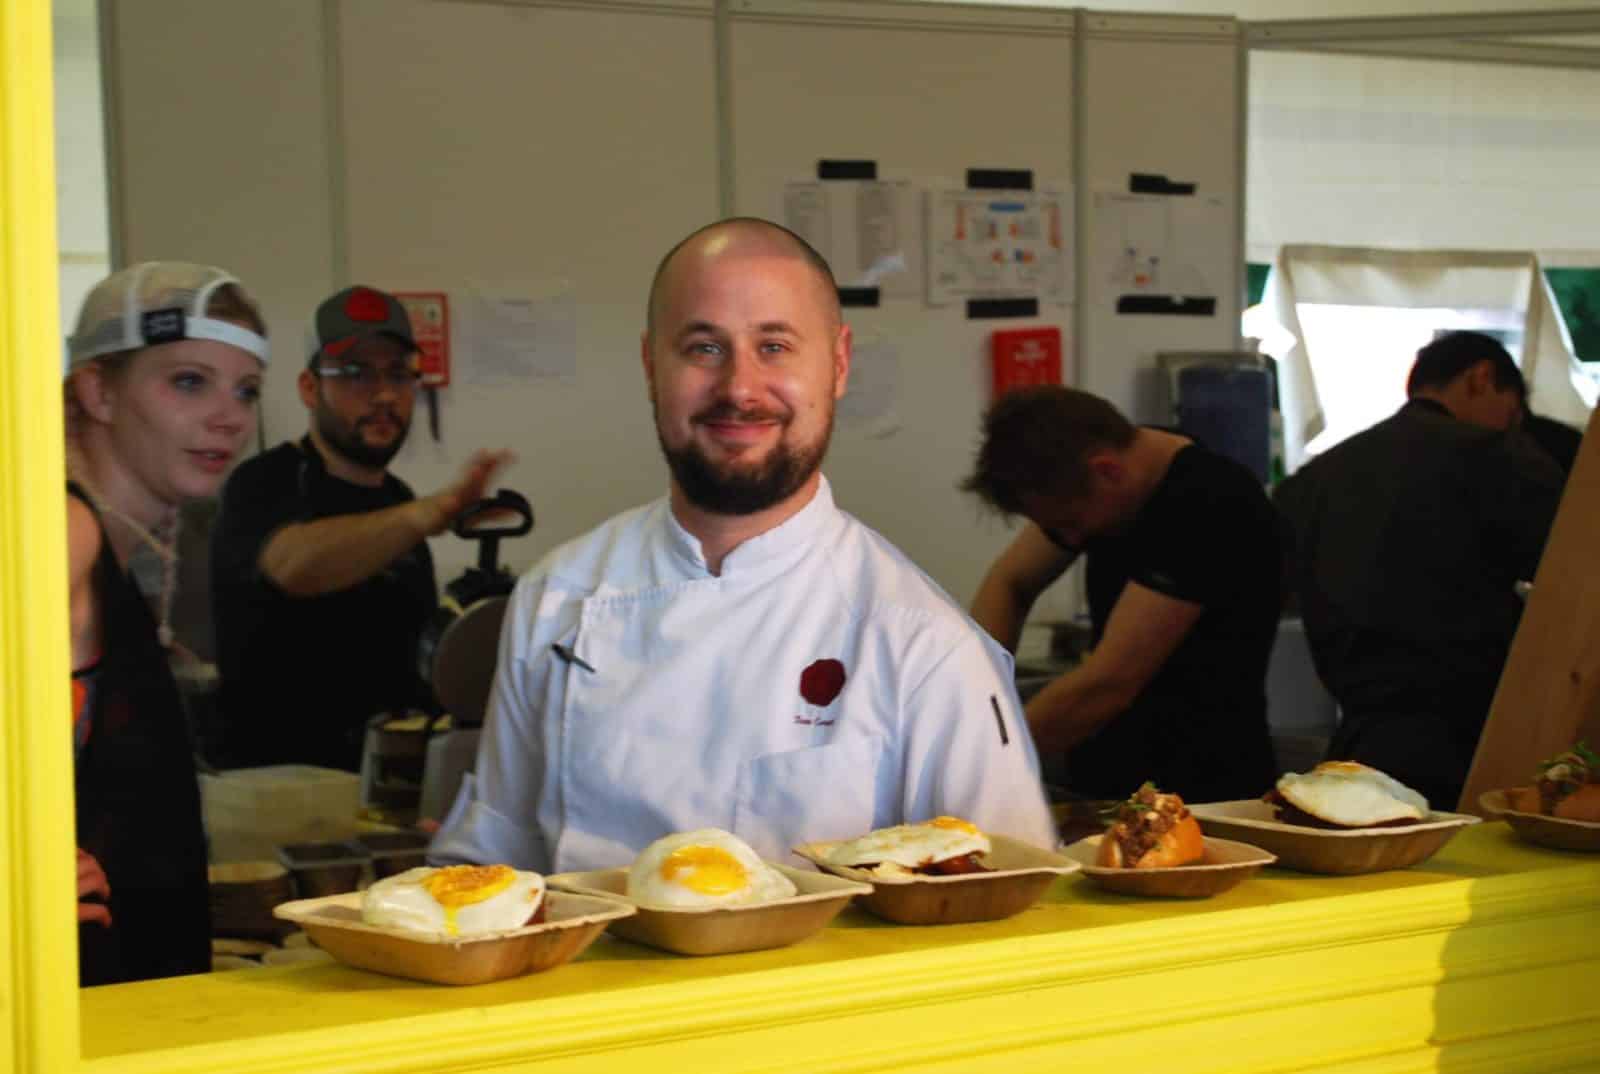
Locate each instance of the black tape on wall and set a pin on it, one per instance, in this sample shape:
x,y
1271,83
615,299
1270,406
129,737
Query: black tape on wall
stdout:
x,y
999,179
847,169
859,297
1146,183
983,308
1167,304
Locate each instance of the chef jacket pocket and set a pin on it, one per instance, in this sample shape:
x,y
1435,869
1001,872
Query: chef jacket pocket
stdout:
x,y
807,795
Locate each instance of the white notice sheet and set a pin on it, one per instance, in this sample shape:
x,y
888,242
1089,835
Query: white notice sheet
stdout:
x,y
870,231
516,331
869,401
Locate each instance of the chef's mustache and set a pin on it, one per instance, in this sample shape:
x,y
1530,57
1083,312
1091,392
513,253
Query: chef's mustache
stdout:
x,y
378,415
730,412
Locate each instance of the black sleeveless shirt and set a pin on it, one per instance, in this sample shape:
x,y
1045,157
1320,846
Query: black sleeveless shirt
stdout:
x,y
138,805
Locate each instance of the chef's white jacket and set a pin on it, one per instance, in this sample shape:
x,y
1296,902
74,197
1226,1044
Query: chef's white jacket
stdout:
x,y
820,687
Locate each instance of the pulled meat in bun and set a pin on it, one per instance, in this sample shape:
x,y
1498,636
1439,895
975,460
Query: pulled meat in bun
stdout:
x,y
1151,831
1565,786
1346,794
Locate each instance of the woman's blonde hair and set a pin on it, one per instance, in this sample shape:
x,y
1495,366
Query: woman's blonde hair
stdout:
x,y
228,302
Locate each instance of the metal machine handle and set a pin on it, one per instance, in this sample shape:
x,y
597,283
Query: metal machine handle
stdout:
x,y
482,522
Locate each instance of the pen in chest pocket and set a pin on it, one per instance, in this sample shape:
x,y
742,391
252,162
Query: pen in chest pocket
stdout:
x,y
1000,721
570,657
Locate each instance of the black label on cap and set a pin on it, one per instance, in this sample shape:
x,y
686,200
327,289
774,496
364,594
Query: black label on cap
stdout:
x,y
162,326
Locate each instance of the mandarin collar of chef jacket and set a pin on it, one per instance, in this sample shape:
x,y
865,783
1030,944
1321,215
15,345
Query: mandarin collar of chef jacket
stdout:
x,y
787,540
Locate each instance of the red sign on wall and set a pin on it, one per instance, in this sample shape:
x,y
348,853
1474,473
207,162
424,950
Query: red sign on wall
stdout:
x,y
1024,357
430,325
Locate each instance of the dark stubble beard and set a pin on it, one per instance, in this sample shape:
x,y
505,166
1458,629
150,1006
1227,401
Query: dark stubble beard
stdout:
x,y
346,439
733,489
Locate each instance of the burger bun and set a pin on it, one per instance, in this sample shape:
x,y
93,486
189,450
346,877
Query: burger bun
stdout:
x,y
1581,804
1182,844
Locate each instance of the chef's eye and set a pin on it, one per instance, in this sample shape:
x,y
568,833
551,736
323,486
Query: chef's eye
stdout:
x,y
188,382
705,348
248,393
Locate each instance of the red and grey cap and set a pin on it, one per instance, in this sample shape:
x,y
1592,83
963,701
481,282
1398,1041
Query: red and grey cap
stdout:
x,y
354,314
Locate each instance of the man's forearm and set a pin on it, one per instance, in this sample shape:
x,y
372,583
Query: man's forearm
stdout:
x,y
1073,707
1001,611
307,559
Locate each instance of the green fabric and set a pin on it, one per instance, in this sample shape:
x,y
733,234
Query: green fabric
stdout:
x,y
1255,282
1577,293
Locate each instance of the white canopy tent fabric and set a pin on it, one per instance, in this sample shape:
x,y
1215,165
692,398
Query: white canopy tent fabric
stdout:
x,y
1414,279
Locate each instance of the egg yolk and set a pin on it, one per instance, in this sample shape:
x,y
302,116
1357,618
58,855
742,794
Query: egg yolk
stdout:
x,y
705,870
955,824
456,886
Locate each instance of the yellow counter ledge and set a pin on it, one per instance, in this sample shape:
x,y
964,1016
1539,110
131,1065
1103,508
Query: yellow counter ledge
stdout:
x,y
1486,958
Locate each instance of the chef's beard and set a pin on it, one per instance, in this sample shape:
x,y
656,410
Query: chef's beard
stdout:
x,y
345,438
734,488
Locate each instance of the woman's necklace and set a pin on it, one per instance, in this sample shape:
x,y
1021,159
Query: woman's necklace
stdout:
x,y
162,540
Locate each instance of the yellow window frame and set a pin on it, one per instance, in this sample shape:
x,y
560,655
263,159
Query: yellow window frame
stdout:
x,y
38,943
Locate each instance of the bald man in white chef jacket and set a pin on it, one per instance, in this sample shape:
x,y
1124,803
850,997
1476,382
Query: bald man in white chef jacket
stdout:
x,y
740,654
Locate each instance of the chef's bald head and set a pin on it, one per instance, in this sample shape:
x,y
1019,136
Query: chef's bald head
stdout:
x,y
739,236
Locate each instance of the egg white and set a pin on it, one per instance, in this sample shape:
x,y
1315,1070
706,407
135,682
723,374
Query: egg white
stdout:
x,y
404,902
1354,794
664,873
911,846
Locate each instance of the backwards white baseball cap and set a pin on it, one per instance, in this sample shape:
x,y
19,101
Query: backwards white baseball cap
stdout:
x,y
156,302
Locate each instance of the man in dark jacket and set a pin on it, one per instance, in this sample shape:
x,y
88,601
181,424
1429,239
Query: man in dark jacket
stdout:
x,y
1405,544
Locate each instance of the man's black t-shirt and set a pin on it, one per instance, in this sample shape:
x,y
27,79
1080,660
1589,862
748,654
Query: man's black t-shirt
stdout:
x,y
1207,535
302,675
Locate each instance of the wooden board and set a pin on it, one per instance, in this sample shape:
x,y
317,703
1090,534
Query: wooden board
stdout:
x,y
1549,693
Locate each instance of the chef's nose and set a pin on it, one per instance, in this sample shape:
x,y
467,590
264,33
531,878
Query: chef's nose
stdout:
x,y
743,376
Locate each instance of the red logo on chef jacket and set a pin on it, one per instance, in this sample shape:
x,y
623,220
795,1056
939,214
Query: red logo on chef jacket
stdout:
x,y
820,684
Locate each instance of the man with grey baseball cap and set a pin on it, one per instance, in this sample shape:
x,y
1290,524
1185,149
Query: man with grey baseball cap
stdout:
x,y
321,576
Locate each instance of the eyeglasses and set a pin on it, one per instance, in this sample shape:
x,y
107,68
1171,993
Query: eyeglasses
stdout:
x,y
367,378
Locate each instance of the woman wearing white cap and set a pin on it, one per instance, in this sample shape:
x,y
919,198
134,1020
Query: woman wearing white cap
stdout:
x,y
164,370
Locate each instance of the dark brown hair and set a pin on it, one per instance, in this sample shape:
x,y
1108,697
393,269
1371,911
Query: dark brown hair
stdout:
x,y
1452,354
1038,441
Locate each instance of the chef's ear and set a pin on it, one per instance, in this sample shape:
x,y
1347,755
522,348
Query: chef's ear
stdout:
x,y
648,361
843,352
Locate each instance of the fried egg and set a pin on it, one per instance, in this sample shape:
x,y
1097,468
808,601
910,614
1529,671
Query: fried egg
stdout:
x,y
708,867
907,847
454,902
1352,794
